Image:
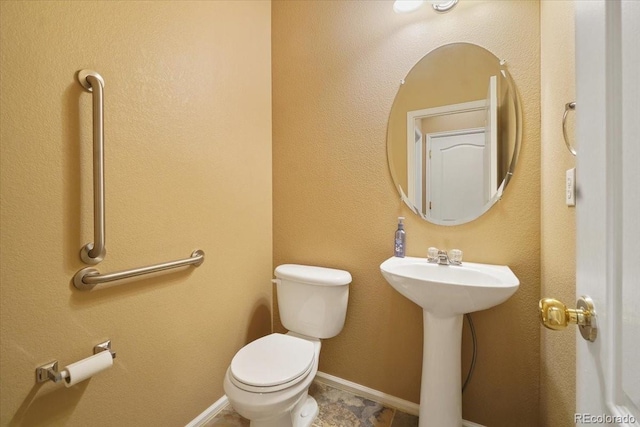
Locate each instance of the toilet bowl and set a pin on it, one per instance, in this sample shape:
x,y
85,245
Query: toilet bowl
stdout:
x,y
268,379
274,399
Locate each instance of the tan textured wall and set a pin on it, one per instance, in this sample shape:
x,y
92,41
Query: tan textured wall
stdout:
x,y
336,69
558,357
185,169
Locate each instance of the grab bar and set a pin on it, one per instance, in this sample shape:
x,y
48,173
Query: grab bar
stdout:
x,y
567,107
87,278
93,253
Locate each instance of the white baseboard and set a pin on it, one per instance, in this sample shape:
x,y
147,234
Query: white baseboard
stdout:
x,y
371,394
336,382
377,396
210,412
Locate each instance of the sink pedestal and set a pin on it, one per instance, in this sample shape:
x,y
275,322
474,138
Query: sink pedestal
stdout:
x,y
440,390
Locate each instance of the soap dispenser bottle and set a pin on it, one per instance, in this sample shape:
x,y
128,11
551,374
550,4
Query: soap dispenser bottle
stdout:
x,y
400,239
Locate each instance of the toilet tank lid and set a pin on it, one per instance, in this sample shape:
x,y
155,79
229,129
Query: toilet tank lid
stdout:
x,y
322,276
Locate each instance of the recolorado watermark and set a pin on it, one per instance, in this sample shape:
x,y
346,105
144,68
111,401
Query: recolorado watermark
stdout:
x,y
586,418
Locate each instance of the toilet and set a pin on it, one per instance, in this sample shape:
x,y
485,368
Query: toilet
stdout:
x,y
268,379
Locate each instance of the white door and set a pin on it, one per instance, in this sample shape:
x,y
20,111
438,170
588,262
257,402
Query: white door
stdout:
x,y
416,192
608,209
456,175
491,139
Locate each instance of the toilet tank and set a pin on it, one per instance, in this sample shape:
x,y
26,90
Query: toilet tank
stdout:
x,y
312,301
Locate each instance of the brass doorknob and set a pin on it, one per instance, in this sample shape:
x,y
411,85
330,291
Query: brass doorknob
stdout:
x,y
556,315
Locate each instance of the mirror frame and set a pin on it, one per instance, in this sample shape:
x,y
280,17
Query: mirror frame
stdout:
x,y
514,99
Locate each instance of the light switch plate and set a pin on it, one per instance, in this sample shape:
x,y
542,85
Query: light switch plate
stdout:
x,y
570,187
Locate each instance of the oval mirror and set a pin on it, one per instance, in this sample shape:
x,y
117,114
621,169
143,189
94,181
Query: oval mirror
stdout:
x,y
454,134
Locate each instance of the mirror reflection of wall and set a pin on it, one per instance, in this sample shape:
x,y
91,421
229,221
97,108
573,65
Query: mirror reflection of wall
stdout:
x,y
454,121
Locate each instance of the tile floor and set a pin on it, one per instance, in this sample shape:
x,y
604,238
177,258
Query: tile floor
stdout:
x,y
337,409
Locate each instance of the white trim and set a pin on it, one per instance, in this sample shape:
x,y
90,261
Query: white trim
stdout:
x,y
369,393
336,382
210,412
492,126
375,395
463,107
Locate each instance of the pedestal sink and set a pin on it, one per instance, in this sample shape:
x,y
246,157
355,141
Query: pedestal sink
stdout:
x,y
445,293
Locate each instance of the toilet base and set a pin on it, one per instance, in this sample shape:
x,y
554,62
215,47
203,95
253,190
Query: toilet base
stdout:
x,y
302,415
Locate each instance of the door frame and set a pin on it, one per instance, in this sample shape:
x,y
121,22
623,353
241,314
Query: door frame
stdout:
x,y
462,107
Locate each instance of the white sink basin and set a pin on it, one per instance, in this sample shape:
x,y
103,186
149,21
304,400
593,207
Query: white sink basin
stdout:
x,y
450,289
445,293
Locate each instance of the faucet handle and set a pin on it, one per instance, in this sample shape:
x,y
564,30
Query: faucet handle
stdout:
x,y
455,256
432,254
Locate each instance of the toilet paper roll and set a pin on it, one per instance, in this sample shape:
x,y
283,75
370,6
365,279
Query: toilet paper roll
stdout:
x,y
86,368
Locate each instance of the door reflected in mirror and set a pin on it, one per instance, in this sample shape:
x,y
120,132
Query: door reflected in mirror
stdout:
x,y
454,134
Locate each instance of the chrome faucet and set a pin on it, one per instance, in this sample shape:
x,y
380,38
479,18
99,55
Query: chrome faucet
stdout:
x,y
441,257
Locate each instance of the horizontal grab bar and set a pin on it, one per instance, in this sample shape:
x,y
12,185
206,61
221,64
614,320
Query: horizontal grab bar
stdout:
x,y
87,278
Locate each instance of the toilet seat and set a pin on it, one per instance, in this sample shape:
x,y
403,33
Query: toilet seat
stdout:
x,y
272,363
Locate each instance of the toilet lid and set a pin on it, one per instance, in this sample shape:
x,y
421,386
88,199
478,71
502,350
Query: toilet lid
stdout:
x,y
272,360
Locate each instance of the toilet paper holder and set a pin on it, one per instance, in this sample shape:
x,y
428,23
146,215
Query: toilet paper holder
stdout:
x,y
49,371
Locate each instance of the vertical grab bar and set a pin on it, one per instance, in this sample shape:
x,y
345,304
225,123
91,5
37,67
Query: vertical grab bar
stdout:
x,y
91,81
567,107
